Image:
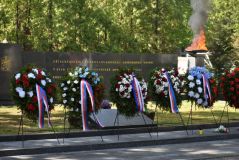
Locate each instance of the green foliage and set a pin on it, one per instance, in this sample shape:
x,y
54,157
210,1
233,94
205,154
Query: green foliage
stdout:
x,y
132,26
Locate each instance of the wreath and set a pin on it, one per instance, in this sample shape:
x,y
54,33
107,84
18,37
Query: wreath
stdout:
x,y
23,90
71,92
159,87
122,94
201,87
229,83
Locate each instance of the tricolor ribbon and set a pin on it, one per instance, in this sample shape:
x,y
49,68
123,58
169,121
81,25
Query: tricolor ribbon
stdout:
x,y
138,96
206,88
87,89
173,102
42,106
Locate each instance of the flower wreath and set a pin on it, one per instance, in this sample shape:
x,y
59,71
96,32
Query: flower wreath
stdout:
x,y
122,93
201,87
23,90
230,87
159,86
71,91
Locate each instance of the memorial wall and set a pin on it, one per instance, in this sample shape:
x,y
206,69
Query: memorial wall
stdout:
x,y
12,58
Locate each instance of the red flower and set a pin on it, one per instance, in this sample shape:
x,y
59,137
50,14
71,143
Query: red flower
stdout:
x,y
49,90
236,69
162,94
164,79
127,85
31,107
237,80
221,84
232,89
25,80
117,85
215,90
237,92
39,76
17,81
231,83
158,82
229,75
212,81
233,74
34,99
223,78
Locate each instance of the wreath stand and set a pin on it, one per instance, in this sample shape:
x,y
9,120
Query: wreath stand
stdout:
x,y
21,129
117,121
227,114
180,117
190,116
69,129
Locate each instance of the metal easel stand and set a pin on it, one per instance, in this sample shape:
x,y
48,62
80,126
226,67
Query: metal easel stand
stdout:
x,y
186,129
21,128
145,123
69,129
157,117
190,117
227,114
117,120
98,124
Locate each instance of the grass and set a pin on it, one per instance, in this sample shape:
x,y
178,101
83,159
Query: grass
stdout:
x,y
10,116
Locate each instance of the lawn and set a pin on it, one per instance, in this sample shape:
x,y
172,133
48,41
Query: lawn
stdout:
x,y
9,118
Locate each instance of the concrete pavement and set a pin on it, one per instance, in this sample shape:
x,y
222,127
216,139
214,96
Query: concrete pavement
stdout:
x,y
213,150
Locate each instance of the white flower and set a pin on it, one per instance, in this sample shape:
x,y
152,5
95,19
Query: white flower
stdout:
x,y
51,100
72,99
121,89
22,94
199,89
68,82
17,76
35,70
165,93
197,95
190,77
199,101
31,75
43,73
198,82
117,90
79,101
76,81
65,88
64,95
191,85
70,74
49,80
30,94
64,101
43,82
73,89
19,89
190,93
62,84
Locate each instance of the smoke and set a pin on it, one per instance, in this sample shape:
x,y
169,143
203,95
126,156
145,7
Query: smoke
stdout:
x,y
200,13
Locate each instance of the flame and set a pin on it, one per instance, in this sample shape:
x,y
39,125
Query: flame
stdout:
x,y
199,42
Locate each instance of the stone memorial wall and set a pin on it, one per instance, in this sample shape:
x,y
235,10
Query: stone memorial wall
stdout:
x,y
12,58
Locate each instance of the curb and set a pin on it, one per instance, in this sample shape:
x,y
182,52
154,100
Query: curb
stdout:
x,y
60,149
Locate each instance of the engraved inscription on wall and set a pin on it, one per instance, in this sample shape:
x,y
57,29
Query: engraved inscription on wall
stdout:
x,y
5,63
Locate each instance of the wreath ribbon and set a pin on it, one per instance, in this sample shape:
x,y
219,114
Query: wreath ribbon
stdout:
x,y
206,88
42,106
172,97
86,89
138,96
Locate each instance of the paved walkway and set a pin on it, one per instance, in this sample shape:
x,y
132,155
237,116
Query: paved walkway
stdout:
x,y
107,139
213,150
